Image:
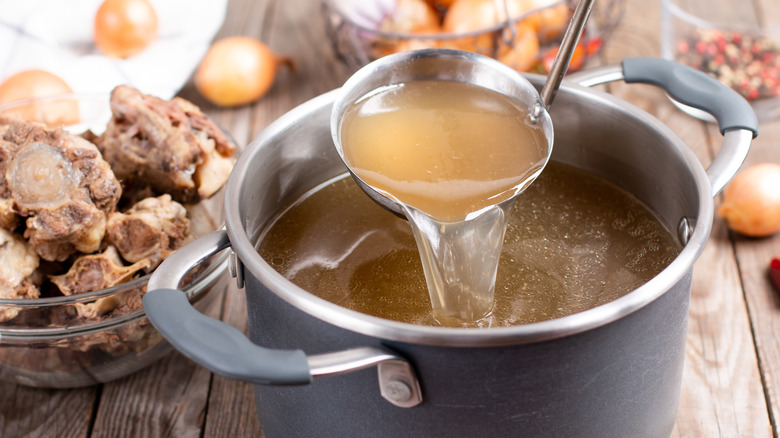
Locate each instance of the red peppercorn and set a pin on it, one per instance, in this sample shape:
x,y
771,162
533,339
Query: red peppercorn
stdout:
x,y
749,65
721,42
774,273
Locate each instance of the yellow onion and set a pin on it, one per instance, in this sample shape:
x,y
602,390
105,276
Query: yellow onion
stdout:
x,y
124,28
751,202
411,17
31,84
468,16
237,71
524,51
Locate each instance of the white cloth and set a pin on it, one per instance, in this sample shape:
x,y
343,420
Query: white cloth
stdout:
x,y
56,35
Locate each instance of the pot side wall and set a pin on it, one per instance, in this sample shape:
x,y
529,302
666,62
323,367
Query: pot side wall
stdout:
x,y
619,380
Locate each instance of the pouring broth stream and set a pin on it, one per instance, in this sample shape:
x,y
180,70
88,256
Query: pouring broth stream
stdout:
x,y
454,156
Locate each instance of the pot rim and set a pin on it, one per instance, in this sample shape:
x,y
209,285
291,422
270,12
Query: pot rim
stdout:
x,y
467,337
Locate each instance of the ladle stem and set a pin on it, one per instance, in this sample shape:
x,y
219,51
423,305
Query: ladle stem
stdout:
x,y
562,59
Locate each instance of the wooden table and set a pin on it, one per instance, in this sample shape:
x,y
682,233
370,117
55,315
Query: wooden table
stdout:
x,y
732,367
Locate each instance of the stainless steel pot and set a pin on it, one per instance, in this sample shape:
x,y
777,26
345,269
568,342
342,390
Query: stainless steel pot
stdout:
x,y
612,371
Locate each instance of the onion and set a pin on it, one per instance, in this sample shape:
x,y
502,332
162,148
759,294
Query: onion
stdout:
x,y
473,15
468,16
124,28
552,21
30,84
237,71
442,4
411,17
524,52
751,202
465,16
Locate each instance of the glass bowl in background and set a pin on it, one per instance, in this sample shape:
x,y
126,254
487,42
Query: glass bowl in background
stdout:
x,y
75,112
364,30
45,342
738,45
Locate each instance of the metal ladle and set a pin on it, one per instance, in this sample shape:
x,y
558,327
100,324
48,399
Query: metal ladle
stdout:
x,y
565,52
444,64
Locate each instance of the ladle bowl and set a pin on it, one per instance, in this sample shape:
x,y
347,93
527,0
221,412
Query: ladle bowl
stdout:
x,y
460,270
438,65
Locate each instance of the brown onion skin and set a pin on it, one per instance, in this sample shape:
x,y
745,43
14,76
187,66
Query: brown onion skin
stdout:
x,y
751,201
124,28
35,83
237,71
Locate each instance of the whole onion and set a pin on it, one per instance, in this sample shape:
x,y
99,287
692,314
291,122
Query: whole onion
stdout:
x,y
237,71
751,202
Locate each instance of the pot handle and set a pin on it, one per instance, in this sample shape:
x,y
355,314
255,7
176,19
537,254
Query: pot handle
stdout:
x,y
226,351
736,118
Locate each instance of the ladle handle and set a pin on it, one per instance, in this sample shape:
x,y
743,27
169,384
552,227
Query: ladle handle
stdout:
x,y
565,52
226,351
736,119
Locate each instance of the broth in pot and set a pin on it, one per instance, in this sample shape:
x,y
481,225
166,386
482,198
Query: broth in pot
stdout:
x,y
574,241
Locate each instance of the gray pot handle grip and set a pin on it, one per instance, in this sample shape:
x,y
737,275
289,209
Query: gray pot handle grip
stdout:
x,y
211,343
736,119
694,88
226,351
219,346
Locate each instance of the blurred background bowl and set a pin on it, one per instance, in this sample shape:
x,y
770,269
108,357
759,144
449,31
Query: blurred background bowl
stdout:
x,y
741,47
75,112
524,34
47,343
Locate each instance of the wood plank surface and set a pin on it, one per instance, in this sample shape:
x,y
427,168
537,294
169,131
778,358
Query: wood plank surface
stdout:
x,y
754,256
763,302
35,412
722,393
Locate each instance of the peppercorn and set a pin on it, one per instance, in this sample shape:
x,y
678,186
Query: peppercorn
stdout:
x,y
749,65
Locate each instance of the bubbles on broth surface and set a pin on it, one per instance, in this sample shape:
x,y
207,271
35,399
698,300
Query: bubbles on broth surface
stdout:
x,y
574,241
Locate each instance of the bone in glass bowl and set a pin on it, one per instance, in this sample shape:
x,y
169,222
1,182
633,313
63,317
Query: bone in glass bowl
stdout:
x,y
64,341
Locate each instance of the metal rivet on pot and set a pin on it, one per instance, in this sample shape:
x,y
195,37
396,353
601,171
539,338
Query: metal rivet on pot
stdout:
x,y
398,391
684,230
398,383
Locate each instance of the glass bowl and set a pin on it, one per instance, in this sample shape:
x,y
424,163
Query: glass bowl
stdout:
x,y
47,345
364,30
732,43
53,341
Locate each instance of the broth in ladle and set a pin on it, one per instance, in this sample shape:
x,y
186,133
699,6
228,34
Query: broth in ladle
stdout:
x,y
453,155
446,148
